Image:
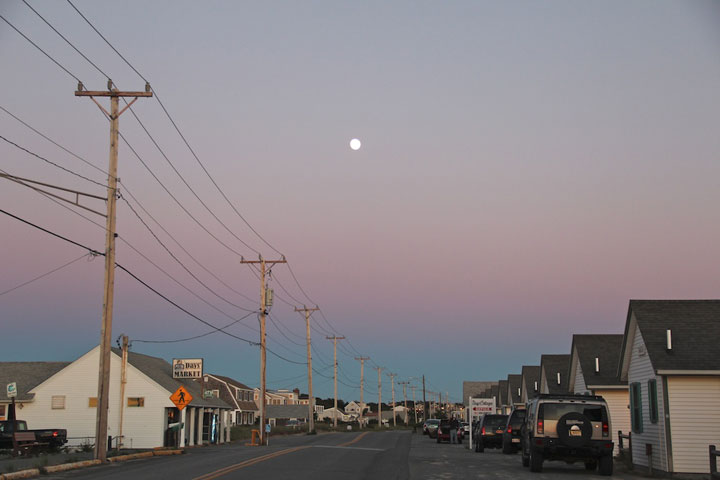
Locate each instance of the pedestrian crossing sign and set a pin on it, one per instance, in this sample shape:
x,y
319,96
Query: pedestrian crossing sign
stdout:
x,y
181,397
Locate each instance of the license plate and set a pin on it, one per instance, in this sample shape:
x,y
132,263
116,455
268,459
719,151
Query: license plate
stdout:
x,y
499,431
515,440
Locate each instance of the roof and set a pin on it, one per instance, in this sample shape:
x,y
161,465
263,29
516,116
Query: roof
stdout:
x,y
530,375
503,392
246,406
231,381
160,371
552,365
695,326
287,411
514,382
474,389
27,375
494,392
606,348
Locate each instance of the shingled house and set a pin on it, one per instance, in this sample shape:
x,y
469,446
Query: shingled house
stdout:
x,y
503,397
594,370
670,358
530,385
514,390
234,393
554,373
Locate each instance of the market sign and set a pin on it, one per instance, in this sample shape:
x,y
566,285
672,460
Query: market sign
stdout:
x,y
481,406
187,367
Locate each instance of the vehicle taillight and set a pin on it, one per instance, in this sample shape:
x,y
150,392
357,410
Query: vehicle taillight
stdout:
x,y
55,434
509,430
540,427
605,429
482,431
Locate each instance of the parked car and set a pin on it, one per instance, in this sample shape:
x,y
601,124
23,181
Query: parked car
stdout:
x,y
465,428
50,437
430,427
571,428
511,436
443,432
488,432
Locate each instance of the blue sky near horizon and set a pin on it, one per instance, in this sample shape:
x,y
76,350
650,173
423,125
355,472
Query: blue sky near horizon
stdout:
x,y
526,169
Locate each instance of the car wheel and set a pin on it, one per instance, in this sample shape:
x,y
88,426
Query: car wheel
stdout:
x,y
536,461
525,459
507,447
606,465
591,465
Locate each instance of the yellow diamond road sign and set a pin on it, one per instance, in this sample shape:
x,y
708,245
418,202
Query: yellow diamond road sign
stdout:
x,y
181,397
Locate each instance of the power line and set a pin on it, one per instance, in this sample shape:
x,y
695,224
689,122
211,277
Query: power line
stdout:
x,y
196,336
85,255
43,51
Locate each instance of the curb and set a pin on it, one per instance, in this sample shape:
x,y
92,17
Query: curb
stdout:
x,y
70,466
32,472
162,453
132,456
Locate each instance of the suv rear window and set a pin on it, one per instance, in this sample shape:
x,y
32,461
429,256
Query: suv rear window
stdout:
x,y
494,421
553,411
517,418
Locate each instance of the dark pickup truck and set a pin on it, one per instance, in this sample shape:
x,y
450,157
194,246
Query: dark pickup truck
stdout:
x,y
50,437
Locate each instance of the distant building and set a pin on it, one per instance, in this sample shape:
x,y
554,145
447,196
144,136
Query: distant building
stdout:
x,y
474,389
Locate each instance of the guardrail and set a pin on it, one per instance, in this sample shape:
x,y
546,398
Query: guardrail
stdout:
x,y
714,453
626,451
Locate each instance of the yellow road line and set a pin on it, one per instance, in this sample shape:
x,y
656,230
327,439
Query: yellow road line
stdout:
x,y
247,463
355,440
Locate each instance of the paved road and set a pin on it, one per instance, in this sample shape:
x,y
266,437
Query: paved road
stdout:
x,y
353,456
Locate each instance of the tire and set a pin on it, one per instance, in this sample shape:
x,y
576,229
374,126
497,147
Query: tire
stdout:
x,y
525,458
591,465
574,430
606,465
536,461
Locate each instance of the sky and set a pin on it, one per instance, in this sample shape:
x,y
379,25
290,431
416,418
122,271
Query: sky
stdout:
x,y
526,169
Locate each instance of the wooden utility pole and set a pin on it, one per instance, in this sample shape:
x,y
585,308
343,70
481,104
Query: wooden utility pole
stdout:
x,y
362,384
425,404
311,398
413,387
405,384
263,352
335,338
123,381
392,386
106,329
379,370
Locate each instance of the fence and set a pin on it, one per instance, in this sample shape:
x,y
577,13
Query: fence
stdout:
x,y
626,451
714,453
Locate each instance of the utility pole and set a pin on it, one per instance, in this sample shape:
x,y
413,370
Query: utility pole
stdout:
x,y
392,385
311,398
405,384
379,370
335,338
413,387
362,384
263,351
425,404
123,381
101,420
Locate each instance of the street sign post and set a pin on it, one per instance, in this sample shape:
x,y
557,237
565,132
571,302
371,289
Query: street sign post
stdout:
x,y
181,398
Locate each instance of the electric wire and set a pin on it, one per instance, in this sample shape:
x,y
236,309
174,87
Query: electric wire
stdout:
x,y
196,336
43,51
85,255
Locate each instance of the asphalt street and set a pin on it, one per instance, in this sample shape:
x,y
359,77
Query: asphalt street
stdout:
x,y
372,455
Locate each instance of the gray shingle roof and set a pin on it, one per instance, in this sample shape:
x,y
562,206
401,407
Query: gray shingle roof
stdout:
x,y
160,371
503,393
231,381
514,382
287,411
607,349
27,375
552,365
474,389
695,326
530,375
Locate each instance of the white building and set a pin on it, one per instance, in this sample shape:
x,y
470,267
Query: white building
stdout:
x,y
65,396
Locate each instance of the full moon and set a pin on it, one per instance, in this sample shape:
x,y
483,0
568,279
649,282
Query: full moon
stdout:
x,y
355,144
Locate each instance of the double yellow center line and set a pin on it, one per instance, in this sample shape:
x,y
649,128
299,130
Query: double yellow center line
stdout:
x,y
262,458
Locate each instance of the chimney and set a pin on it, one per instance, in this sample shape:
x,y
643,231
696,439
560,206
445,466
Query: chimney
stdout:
x,y
296,391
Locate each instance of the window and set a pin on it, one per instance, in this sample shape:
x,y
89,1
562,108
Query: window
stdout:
x,y
636,407
57,402
652,400
92,402
136,401
216,393
2,412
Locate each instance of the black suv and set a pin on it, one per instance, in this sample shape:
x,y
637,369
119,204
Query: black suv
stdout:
x,y
571,428
511,435
488,432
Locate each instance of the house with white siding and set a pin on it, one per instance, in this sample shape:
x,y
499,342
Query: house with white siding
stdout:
x,y
65,396
530,385
554,373
594,362
670,358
